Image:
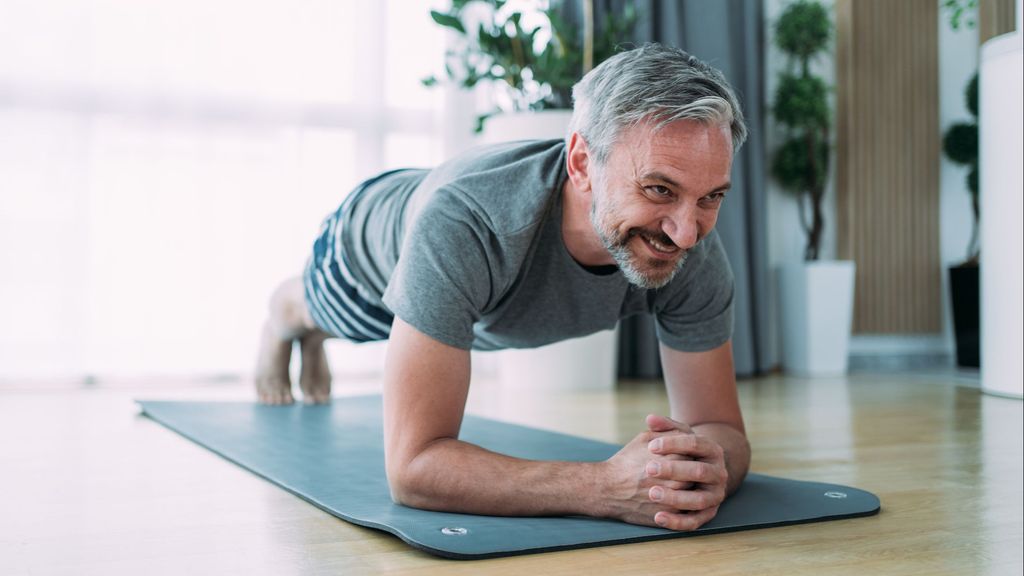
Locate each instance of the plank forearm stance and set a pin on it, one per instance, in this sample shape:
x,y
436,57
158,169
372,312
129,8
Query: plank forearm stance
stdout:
x,y
678,484
522,244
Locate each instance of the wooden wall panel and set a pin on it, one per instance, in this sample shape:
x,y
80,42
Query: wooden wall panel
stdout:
x,y
995,17
887,162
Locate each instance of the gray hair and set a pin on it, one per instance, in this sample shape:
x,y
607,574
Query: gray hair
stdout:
x,y
653,83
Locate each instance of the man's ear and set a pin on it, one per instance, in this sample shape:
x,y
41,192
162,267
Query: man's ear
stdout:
x,y
578,163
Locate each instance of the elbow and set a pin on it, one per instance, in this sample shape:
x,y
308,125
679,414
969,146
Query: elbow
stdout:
x,y
409,482
403,487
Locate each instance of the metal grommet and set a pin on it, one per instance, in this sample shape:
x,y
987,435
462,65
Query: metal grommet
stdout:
x,y
837,495
454,531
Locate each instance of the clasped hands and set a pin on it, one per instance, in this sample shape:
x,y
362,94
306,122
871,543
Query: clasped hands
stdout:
x,y
668,476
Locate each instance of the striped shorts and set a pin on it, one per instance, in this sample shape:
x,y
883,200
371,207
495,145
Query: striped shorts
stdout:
x,y
331,294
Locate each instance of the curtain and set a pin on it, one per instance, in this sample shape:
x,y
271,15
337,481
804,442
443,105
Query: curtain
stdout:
x,y
728,35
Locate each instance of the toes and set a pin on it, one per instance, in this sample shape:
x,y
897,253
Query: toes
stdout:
x,y
316,397
274,391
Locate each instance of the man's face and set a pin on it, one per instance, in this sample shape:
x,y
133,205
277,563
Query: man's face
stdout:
x,y
658,194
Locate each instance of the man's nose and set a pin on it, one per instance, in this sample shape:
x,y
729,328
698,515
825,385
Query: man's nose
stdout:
x,y
682,227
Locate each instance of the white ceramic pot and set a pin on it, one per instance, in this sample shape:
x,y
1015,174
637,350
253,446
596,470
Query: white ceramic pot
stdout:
x,y
816,306
1002,203
540,125
587,363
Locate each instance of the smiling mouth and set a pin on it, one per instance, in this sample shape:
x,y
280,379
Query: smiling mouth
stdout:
x,y
658,249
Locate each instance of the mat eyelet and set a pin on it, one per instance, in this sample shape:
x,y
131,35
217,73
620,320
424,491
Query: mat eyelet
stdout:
x,y
454,531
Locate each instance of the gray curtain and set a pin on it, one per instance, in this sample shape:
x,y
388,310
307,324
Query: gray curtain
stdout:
x,y
728,35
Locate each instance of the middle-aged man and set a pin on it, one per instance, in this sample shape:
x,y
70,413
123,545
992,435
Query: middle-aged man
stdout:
x,y
527,243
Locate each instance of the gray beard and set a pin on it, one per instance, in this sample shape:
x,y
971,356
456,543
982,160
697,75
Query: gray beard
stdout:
x,y
624,258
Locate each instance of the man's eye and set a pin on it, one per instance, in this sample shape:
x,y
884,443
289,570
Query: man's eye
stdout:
x,y
660,191
715,197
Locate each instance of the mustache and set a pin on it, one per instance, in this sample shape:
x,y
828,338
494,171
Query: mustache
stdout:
x,y
656,235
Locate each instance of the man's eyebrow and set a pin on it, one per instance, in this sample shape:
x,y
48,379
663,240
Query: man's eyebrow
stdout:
x,y
659,176
664,178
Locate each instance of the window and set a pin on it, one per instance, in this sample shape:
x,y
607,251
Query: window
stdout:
x,y
164,164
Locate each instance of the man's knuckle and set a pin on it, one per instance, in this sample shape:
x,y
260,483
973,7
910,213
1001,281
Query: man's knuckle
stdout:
x,y
703,473
689,442
701,501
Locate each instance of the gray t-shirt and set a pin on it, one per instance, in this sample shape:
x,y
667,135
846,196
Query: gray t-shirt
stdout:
x,y
471,254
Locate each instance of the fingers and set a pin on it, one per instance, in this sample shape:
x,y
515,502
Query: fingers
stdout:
x,y
688,471
685,522
692,445
656,423
687,500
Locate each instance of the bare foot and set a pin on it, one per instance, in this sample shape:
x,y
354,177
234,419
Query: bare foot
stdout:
x,y
315,377
273,384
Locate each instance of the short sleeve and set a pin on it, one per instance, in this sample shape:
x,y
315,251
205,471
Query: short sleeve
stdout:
x,y
697,312
441,283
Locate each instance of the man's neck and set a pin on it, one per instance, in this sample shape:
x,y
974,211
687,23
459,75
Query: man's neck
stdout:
x,y
582,242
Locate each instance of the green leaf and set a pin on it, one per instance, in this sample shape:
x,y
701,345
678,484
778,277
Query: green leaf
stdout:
x,y
803,29
448,21
800,165
971,95
801,101
961,143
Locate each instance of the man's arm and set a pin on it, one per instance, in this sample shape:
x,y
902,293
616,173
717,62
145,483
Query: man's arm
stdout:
x,y
425,387
702,393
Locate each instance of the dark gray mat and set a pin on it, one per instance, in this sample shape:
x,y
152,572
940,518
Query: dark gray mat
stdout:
x,y
333,457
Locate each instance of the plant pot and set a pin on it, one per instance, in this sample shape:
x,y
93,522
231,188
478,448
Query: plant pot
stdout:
x,y
537,125
964,292
587,363
816,304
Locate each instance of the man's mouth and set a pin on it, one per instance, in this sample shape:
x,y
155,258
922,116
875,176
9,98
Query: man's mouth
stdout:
x,y
659,249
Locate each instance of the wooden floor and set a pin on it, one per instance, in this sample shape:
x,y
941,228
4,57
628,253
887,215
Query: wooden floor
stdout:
x,y
87,486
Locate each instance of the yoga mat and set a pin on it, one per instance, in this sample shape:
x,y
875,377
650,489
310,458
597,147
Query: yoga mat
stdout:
x,y
333,456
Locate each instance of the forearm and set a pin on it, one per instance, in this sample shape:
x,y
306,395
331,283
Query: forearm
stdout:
x,y
455,476
736,447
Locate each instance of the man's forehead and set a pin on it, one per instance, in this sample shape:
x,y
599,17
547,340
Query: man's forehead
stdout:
x,y
669,152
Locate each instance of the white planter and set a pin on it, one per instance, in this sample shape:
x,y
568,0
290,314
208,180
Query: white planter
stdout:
x,y
1002,191
816,306
540,125
587,363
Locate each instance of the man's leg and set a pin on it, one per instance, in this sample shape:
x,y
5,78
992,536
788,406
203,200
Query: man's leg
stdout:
x,y
289,320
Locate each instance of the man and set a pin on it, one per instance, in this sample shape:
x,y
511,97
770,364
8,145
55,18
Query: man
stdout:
x,y
523,244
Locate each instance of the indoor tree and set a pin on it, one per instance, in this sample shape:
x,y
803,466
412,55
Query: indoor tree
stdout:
x,y
801,162
961,146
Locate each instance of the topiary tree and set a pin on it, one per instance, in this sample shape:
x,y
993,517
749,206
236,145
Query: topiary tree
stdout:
x,y
801,162
961,146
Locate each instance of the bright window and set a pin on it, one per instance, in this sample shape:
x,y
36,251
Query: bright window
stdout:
x,y
163,164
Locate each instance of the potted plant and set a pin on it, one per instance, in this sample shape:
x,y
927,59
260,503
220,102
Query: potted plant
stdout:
x,y
532,57
529,55
960,144
816,297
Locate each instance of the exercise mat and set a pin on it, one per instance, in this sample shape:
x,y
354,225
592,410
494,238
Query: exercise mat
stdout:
x,y
333,456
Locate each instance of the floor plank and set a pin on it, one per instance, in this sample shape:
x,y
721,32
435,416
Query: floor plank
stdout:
x,y
90,487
